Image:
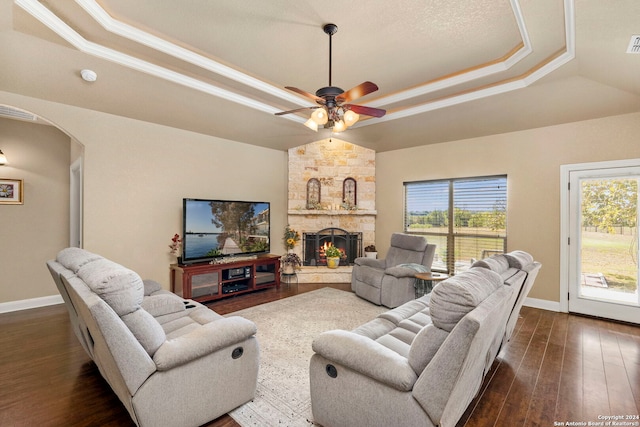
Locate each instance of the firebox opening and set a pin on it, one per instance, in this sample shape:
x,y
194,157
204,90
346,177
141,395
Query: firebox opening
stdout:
x,y
314,244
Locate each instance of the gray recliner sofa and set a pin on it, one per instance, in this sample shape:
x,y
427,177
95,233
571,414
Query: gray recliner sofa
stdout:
x,y
390,281
517,269
172,362
423,362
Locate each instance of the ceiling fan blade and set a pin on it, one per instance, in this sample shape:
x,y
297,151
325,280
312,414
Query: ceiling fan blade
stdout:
x,y
361,90
282,113
307,94
367,111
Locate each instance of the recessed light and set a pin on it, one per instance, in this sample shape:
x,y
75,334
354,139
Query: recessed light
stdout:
x,y
89,75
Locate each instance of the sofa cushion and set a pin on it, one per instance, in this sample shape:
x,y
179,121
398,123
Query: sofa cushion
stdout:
x,y
161,304
151,286
118,286
399,340
370,275
74,258
146,330
519,259
404,311
375,328
424,347
203,315
418,321
453,298
496,263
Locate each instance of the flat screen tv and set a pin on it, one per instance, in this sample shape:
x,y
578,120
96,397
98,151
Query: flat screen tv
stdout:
x,y
218,228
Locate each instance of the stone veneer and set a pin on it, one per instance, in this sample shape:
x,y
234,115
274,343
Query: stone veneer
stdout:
x,y
331,161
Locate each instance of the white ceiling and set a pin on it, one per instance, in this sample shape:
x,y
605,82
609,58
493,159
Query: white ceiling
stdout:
x,y
446,69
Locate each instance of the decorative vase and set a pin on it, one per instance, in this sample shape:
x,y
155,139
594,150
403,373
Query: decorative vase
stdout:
x,y
288,268
373,255
333,262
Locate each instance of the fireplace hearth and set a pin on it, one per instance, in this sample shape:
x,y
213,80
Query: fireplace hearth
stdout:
x,y
313,245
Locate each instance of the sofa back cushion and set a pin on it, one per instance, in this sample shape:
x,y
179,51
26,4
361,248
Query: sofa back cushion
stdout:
x,y
118,286
74,258
497,263
146,329
123,290
121,358
405,249
424,346
519,259
452,299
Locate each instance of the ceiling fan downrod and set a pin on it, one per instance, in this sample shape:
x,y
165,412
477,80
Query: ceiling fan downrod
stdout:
x,y
330,29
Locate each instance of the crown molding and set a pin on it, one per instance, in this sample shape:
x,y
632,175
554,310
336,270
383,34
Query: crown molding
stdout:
x,y
54,23
134,34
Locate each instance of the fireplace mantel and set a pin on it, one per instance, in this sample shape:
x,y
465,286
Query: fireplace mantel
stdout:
x,y
323,212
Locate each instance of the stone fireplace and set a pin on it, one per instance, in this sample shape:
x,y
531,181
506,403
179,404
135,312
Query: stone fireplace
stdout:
x,y
329,163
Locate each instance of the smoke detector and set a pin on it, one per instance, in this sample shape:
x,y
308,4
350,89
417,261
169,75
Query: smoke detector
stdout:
x,y
634,44
89,75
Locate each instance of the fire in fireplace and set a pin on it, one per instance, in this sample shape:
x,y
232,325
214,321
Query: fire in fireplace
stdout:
x,y
314,245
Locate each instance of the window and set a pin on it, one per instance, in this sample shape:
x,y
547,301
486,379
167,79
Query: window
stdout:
x,y
466,218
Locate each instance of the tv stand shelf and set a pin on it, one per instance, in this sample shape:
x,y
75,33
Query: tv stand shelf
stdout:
x,y
208,282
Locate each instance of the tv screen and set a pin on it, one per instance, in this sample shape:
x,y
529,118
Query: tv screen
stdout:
x,y
214,228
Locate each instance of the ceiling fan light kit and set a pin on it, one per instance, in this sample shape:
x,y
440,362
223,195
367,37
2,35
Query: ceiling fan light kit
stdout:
x,y
320,116
311,124
333,111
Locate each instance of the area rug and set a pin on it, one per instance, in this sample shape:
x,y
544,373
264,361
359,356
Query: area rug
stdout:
x,y
286,329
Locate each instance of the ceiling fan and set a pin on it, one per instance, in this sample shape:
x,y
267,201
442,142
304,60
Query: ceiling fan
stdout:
x,y
334,109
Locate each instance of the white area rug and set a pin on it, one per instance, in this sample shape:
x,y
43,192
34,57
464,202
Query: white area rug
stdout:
x,y
286,329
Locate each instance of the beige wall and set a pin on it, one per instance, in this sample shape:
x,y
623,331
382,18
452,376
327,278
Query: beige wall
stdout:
x,y
531,159
31,232
135,176
137,173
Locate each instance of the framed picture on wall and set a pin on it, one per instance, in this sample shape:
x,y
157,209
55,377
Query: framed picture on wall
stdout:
x,y
11,191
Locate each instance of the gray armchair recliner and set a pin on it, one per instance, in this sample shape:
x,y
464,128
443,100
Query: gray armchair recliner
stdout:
x,y
390,281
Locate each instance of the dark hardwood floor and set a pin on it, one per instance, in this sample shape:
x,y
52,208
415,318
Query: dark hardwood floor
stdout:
x,y
557,368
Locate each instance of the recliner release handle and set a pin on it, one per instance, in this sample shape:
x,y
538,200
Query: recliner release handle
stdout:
x,y
331,371
237,353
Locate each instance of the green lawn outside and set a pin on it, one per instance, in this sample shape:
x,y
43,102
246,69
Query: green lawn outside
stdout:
x,y
612,255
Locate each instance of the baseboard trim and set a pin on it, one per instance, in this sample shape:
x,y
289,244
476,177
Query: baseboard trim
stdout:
x,y
542,304
26,304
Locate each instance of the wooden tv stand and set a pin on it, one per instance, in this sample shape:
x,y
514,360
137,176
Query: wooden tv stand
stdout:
x,y
208,282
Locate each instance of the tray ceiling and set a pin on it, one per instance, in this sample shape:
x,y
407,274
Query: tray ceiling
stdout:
x,y
446,70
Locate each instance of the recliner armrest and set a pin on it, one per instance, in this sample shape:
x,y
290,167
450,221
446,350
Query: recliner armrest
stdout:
x,y
370,262
202,341
400,271
366,356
